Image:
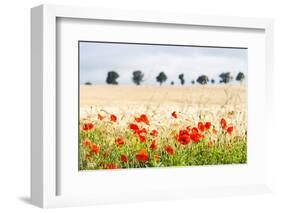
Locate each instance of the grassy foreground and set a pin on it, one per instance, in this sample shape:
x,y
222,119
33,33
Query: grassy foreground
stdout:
x,y
106,144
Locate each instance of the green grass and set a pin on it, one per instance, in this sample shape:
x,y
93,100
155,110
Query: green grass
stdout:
x,y
224,150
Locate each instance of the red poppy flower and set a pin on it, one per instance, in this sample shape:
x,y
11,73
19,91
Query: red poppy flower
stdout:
x,y
174,114
143,118
87,126
134,127
124,158
194,130
141,138
95,149
87,143
184,132
207,125
112,166
154,132
138,120
183,137
113,118
195,136
229,130
138,132
119,142
153,145
100,117
201,126
223,123
169,150
142,155
143,130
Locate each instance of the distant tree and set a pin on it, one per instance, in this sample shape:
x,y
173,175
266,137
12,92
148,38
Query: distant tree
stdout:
x,y
88,83
137,77
181,77
172,83
162,77
240,77
193,82
225,77
202,79
112,77
213,81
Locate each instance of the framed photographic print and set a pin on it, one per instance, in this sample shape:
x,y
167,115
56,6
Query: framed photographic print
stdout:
x,y
152,106
158,114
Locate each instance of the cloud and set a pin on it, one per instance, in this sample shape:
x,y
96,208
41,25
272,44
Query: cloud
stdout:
x,y
96,59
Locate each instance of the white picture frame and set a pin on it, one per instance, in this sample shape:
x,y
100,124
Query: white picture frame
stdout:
x,y
44,155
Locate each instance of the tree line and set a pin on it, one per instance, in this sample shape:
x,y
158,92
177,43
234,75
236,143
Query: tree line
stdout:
x,y
138,78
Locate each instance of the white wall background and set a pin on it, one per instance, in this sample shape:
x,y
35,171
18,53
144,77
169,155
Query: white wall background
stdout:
x,y
15,98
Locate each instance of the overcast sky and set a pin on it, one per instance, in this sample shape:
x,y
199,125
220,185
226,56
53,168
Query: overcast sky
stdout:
x,y
96,59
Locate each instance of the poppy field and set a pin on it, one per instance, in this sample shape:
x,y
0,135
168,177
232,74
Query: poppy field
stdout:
x,y
161,133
